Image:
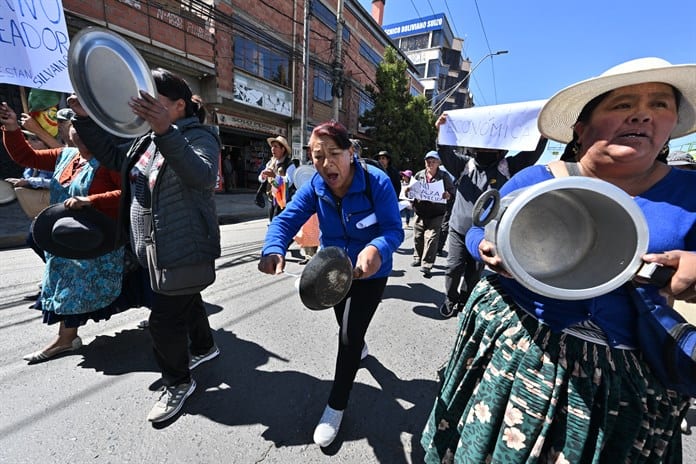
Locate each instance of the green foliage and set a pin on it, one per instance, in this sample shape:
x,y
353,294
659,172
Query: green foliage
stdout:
x,y
400,123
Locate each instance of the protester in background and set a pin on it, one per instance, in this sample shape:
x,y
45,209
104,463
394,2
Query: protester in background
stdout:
x,y
533,378
681,160
228,173
342,193
444,228
407,212
69,296
429,214
280,165
385,160
169,177
483,169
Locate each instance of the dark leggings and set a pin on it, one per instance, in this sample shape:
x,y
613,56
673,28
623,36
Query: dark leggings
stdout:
x,y
361,303
178,326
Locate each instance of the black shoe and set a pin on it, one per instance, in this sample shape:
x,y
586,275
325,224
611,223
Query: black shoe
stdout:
x,y
426,272
448,309
415,263
32,297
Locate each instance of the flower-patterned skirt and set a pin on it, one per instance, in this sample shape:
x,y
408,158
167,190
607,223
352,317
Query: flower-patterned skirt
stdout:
x,y
515,392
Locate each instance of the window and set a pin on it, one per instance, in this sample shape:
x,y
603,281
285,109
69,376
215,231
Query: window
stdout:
x,y
261,61
415,42
369,54
328,17
436,40
420,69
433,68
322,87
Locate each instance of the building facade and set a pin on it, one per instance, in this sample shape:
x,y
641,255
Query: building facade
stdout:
x,y
264,68
430,44
247,61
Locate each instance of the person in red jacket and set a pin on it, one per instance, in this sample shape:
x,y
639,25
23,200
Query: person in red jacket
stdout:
x,y
68,295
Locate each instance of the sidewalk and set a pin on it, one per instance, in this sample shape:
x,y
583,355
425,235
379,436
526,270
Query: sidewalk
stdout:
x,y
234,207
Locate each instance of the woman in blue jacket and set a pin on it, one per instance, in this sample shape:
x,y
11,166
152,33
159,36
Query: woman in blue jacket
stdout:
x,y
342,193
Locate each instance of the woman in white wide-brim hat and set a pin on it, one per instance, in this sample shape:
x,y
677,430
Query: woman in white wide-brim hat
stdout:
x,y
537,379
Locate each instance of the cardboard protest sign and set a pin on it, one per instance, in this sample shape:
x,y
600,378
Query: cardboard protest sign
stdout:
x,y
506,127
427,191
34,44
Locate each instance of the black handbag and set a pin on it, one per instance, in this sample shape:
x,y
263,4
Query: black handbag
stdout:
x,y
260,199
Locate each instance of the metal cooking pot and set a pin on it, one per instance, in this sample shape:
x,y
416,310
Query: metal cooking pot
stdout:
x,y
568,238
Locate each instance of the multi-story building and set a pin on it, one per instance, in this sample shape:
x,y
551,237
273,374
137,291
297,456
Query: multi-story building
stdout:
x,y
264,67
430,44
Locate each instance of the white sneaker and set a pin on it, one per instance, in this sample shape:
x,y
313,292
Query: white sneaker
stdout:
x,y
328,426
365,352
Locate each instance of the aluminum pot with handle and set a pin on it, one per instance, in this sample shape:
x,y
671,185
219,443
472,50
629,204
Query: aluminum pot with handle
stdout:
x,y
569,238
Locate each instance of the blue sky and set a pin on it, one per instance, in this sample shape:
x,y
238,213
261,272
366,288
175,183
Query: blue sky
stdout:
x,y
553,43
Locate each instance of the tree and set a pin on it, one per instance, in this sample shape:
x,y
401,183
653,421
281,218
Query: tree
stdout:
x,y
398,122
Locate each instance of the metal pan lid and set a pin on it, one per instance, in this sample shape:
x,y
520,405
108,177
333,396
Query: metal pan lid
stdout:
x,y
303,174
7,193
106,71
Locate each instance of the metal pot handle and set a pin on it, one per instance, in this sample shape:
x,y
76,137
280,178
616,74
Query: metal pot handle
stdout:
x,y
488,201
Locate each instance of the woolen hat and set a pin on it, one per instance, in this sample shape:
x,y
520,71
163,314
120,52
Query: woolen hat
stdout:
x,y
561,111
74,233
407,173
680,158
281,140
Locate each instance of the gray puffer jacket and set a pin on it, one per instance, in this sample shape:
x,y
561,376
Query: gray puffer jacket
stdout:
x,y
185,223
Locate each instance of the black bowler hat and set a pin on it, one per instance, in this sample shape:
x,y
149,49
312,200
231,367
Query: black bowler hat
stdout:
x,y
74,233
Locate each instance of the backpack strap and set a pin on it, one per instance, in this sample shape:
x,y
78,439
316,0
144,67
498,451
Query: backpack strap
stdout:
x,y
368,186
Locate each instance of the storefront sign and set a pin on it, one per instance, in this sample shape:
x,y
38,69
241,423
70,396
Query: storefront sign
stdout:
x,y
250,125
254,92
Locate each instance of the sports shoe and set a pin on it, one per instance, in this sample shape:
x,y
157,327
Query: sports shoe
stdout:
x,y
427,273
448,309
416,263
198,359
171,401
328,426
365,352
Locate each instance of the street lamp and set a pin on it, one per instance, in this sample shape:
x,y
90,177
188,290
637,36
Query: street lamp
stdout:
x,y
442,102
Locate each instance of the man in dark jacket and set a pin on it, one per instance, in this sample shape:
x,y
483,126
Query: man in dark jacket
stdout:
x,y
476,172
429,214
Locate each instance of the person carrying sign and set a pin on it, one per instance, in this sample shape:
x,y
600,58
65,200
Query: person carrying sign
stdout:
x,y
430,206
476,172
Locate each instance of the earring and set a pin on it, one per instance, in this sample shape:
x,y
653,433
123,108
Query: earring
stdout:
x,y
575,148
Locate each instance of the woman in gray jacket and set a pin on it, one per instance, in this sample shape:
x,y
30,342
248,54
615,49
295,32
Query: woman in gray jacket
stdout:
x,y
168,178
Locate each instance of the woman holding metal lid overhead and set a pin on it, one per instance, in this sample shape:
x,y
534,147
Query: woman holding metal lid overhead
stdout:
x,y
537,379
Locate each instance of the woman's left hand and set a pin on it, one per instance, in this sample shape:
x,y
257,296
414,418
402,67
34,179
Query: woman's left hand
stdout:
x,y
77,202
681,286
152,111
368,263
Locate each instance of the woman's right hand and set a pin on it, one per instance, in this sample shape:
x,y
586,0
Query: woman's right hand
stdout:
x,y
8,118
682,284
491,259
272,264
76,106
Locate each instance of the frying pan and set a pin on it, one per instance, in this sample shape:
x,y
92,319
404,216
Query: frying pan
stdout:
x,y
326,279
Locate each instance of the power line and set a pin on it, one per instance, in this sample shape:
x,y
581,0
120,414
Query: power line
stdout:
x,y
416,10
456,32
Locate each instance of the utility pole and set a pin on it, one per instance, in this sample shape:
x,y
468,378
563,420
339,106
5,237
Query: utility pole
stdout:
x,y
337,87
305,78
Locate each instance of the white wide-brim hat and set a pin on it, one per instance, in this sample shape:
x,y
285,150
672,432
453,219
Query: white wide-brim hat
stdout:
x,y
561,111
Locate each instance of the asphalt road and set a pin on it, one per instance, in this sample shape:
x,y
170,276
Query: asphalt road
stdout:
x,y
258,402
